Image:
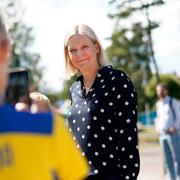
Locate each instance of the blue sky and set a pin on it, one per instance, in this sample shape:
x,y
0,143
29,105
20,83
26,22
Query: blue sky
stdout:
x,y
52,19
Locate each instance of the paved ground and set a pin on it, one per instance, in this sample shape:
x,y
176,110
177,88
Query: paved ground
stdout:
x,y
151,164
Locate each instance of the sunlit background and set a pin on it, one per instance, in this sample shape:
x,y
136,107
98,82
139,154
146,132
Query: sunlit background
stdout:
x,y
135,42
51,20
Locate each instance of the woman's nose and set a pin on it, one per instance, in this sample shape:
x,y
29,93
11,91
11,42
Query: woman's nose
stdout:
x,y
79,53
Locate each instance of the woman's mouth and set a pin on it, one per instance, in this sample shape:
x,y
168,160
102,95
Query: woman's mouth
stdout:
x,y
82,60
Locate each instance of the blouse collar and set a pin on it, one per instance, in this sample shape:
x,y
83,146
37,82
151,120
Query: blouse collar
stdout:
x,y
100,77
101,73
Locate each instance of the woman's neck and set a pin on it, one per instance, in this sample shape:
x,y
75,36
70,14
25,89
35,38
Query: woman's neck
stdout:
x,y
89,77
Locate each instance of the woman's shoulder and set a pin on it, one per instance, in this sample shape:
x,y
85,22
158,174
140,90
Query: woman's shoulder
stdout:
x,y
120,79
119,75
76,84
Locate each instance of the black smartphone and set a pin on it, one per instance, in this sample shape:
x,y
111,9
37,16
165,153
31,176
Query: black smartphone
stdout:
x,y
18,86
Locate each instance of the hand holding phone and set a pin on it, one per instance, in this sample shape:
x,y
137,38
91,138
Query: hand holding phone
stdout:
x,y
18,86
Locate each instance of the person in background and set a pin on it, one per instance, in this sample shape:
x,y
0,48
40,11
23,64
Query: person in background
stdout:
x,y
103,115
34,146
167,125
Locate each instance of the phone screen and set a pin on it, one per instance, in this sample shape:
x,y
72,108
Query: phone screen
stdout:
x,y
18,87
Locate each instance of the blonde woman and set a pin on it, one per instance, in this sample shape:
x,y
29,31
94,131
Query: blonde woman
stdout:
x,y
103,115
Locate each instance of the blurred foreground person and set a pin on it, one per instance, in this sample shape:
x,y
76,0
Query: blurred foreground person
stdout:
x,y
34,146
168,127
39,103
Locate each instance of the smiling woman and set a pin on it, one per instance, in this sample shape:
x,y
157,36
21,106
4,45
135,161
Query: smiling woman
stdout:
x,y
82,53
103,115
84,57
82,44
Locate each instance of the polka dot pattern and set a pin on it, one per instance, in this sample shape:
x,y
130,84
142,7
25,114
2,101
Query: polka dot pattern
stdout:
x,y
104,123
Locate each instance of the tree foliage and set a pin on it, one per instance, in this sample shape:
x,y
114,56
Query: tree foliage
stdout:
x,y
131,47
65,93
172,82
22,41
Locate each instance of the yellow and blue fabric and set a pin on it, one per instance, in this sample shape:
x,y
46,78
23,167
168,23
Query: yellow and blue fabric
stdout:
x,y
37,146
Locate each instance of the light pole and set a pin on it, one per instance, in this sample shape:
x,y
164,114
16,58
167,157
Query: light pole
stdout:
x,y
146,6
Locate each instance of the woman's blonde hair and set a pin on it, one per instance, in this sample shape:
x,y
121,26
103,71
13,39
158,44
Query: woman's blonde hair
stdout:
x,y
84,30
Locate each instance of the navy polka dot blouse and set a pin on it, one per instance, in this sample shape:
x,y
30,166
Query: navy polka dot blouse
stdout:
x,y
104,124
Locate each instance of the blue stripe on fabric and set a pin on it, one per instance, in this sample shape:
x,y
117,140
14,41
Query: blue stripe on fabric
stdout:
x,y
22,122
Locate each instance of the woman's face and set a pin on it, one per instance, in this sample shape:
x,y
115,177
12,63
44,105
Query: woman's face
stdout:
x,y
82,52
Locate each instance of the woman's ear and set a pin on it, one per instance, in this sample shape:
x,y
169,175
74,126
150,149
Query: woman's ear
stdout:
x,y
97,47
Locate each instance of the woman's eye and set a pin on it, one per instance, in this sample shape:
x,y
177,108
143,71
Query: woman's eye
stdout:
x,y
85,47
72,50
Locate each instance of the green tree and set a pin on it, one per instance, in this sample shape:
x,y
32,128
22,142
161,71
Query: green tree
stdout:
x,y
64,94
127,8
131,47
22,40
131,54
172,82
